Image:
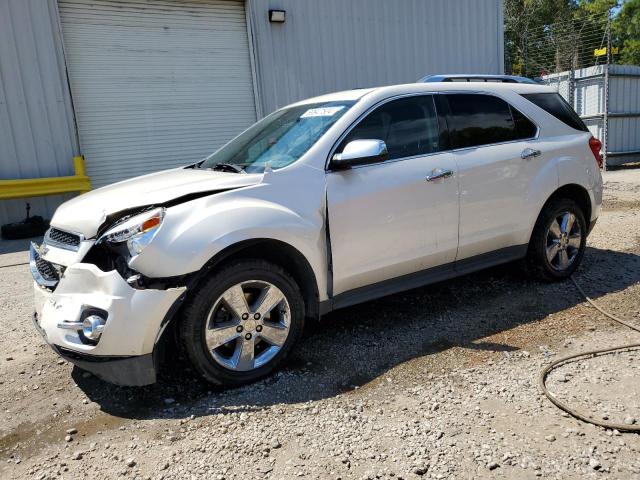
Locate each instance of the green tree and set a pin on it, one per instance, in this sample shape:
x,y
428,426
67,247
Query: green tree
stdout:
x,y
595,8
592,18
543,36
527,32
626,32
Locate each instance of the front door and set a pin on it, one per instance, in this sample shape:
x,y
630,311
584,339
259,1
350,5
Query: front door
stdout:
x,y
398,216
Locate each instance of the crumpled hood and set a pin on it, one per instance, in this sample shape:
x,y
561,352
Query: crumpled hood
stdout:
x,y
84,214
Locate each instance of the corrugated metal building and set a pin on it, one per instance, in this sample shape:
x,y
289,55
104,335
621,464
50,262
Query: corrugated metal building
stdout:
x,y
609,104
37,131
142,85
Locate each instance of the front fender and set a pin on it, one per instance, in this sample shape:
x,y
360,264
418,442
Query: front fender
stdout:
x,y
194,232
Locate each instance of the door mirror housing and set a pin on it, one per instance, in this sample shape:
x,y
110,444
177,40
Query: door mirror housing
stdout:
x,y
359,152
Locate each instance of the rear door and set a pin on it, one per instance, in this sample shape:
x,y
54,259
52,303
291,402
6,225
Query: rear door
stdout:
x,y
385,219
490,138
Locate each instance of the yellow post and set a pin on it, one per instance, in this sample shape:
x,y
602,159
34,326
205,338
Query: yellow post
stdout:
x,y
78,166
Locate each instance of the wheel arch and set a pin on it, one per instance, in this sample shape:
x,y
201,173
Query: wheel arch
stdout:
x,y
574,192
280,253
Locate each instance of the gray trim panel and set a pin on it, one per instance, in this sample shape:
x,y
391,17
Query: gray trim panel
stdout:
x,y
134,371
424,277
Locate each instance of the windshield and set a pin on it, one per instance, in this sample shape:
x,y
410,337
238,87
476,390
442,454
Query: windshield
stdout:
x,y
279,139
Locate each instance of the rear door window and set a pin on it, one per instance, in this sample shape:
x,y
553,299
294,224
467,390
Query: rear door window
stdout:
x,y
409,126
554,104
476,119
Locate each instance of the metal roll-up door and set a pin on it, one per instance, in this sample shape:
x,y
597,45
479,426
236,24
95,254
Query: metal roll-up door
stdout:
x,y
157,83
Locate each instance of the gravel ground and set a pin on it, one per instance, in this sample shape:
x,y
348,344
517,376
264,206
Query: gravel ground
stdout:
x,y
438,382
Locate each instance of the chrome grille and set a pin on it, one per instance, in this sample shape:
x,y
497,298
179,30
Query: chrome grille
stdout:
x,y
44,273
46,269
62,239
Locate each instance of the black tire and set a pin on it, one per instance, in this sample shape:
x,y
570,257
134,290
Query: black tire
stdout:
x,y
196,310
538,265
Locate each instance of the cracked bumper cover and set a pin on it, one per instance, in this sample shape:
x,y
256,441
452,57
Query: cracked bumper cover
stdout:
x,y
135,318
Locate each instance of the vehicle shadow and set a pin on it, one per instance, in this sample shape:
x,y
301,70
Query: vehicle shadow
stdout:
x,y
352,347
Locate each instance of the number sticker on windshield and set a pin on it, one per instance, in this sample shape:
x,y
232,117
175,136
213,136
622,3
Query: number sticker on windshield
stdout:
x,y
322,112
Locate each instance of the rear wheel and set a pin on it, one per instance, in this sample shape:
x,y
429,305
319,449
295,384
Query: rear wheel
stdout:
x,y
558,241
242,322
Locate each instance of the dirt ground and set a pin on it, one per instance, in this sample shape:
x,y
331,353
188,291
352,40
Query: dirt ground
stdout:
x,y
438,382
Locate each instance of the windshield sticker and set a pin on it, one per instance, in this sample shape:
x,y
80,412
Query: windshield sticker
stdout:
x,y
322,112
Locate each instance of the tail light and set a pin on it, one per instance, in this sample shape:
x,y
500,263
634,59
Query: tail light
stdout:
x,y
595,145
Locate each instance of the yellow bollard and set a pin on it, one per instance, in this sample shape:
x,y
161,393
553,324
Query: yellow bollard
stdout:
x,y
78,166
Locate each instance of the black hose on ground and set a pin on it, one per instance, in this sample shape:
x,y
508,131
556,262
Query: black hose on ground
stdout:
x,y
589,354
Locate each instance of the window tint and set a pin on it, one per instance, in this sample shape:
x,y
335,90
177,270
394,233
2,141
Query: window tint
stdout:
x,y
554,104
409,126
480,120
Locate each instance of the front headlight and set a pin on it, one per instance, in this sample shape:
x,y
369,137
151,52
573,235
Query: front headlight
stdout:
x,y
137,231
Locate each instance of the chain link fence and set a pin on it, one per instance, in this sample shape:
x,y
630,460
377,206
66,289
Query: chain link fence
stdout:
x,y
577,58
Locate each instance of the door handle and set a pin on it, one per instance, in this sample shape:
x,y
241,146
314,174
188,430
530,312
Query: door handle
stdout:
x,y
530,153
438,173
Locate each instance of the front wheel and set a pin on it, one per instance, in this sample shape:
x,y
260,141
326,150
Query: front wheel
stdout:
x,y
242,322
558,241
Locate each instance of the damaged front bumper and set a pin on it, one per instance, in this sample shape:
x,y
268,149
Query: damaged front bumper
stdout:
x,y
133,319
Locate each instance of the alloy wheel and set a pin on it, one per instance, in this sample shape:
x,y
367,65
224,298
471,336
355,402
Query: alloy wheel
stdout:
x,y
563,241
248,325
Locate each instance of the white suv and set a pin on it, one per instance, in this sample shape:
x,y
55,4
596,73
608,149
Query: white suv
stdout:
x,y
323,204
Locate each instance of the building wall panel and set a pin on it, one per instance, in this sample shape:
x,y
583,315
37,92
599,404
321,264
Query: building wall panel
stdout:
x,y
37,133
334,45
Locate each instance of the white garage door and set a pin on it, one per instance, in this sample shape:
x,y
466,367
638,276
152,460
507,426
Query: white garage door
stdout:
x,y
157,83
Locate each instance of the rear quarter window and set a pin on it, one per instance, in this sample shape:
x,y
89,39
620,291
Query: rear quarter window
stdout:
x,y
554,104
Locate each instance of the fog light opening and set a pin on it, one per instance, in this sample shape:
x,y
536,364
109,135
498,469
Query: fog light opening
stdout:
x,y
92,327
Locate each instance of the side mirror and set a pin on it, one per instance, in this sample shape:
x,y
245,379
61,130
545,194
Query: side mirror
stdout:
x,y
359,152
